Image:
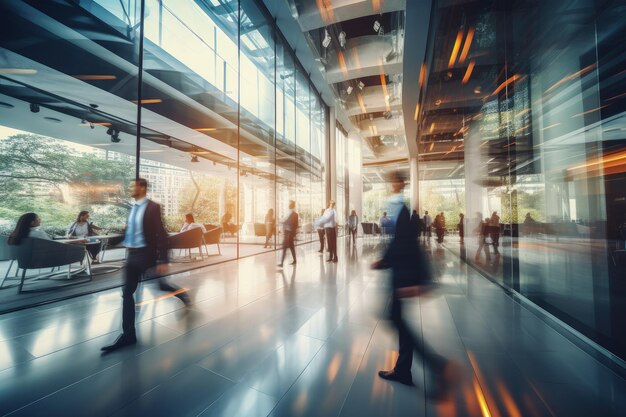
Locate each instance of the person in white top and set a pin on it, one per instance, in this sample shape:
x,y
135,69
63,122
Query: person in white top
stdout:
x,y
428,222
82,229
321,233
190,223
329,221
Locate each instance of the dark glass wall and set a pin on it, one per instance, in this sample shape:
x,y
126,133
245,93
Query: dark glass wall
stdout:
x,y
528,122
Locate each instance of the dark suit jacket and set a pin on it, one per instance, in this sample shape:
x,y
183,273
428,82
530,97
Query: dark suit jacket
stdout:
x,y
154,233
405,257
292,222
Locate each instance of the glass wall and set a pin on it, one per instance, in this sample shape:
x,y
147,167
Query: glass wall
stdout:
x,y
230,130
530,117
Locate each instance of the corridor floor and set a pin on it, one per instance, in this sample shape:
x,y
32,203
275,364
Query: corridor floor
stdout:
x,y
304,341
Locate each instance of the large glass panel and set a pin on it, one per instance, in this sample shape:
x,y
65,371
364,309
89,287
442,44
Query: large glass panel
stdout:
x,y
303,157
528,122
67,126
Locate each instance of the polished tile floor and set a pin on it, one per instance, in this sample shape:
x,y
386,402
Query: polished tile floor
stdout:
x,y
303,341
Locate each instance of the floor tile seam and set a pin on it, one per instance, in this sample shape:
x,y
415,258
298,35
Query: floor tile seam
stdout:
x,y
63,388
365,351
295,380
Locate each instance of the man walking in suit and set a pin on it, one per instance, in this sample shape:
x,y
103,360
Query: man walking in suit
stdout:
x,y
146,243
410,274
290,227
329,222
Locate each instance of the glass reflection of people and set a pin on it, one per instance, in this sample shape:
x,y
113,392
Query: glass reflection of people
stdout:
x,y
494,222
146,243
227,224
383,223
82,229
461,227
321,234
329,221
353,224
410,273
270,227
483,235
290,227
190,223
27,226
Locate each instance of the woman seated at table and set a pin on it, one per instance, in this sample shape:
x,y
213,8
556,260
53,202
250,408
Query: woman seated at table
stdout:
x,y
82,229
27,226
190,223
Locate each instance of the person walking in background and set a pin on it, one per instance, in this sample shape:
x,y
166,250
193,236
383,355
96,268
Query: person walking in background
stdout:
x,y
290,227
146,244
329,220
410,274
438,223
461,227
353,224
321,234
270,227
483,243
27,226
383,223
416,223
494,222
190,223
428,224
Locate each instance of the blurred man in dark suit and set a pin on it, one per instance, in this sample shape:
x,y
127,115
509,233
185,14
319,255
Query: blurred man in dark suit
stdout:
x,y
290,227
410,276
146,243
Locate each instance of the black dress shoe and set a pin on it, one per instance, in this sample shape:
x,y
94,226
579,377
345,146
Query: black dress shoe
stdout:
x,y
280,265
405,379
294,263
185,298
329,260
320,251
121,341
335,260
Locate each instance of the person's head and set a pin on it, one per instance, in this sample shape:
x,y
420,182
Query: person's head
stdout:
x,y
138,188
292,205
487,219
384,214
397,181
495,213
527,214
189,218
83,216
414,211
353,213
461,215
426,212
331,204
270,211
22,228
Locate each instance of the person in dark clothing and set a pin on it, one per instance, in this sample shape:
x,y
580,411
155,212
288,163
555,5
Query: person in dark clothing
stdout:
x,y
146,243
270,227
410,272
321,233
461,227
483,234
290,227
416,223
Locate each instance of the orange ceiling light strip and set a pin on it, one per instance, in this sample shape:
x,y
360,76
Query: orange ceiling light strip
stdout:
x,y
467,45
95,77
206,129
148,101
383,84
325,8
422,74
455,49
468,72
342,63
359,98
376,6
510,80
417,110
432,127
571,77
355,57
619,156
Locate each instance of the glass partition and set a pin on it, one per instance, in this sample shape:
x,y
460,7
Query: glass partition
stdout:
x,y
230,128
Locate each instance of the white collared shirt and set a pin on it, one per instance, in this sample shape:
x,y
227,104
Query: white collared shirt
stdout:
x,y
328,219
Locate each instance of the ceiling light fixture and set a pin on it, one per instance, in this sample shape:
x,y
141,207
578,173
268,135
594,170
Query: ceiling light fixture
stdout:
x,y
326,41
360,85
194,158
377,26
342,38
34,107
349,90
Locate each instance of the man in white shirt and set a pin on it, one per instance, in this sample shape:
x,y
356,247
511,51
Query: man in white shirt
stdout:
x,y
329,221
428,222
